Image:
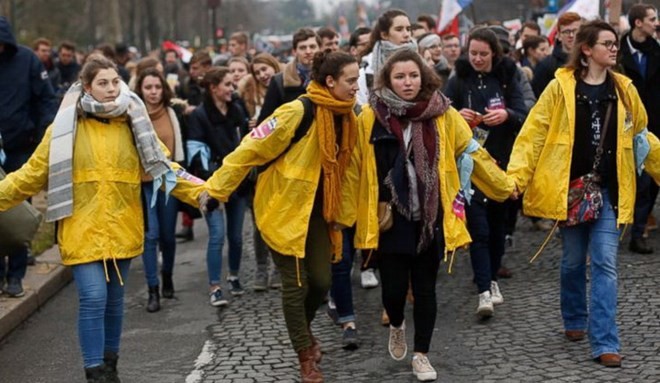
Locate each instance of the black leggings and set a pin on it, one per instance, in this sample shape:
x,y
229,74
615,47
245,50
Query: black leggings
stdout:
x,y
397,271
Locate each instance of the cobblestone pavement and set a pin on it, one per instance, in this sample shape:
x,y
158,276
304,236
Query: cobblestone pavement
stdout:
x,y
523,342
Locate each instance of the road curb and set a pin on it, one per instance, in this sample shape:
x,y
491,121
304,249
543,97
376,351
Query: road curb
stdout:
x,y
41,282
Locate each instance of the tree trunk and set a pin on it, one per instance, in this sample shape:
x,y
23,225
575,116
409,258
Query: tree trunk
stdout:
x,y
115,21
152,25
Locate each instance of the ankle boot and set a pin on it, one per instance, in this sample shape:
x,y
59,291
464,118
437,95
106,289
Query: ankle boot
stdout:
x,y
153,304
110,359
168,286
316,346
309,371
95,374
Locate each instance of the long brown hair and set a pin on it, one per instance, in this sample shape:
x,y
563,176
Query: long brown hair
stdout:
x,y
167,91
587,36
383,24
430,80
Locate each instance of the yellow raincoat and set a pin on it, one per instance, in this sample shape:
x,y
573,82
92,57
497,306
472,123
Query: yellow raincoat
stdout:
x,y
107,220
286,190
541,159
454,136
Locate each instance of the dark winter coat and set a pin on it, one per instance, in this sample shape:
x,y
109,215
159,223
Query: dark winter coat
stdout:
x,y
27,101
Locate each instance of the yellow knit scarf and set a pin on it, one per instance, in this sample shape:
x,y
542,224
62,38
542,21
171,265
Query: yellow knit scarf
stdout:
x,y
334,158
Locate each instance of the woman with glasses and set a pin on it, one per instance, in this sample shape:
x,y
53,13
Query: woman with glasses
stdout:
x,y
585,122
430,48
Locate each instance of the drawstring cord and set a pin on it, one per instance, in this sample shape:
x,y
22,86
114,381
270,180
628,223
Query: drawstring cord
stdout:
x,y
623,232
105,270
451,261
545,243
298,271
114,261
366,263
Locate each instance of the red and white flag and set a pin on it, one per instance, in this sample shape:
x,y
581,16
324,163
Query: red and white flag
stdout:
x,y
449,11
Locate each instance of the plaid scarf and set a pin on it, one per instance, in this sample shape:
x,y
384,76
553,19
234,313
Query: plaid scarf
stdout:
x,y
395,113
60,162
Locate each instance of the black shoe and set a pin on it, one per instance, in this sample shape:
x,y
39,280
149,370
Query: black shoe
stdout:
x,y
110,359
154,299
14,288
349,339
168,286
640,246
186,234
96,374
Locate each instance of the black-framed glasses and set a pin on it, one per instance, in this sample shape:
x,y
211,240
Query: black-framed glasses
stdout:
x,y
569,32
609,45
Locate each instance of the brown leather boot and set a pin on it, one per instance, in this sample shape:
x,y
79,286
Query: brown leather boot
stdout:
x,y
316,346
309,371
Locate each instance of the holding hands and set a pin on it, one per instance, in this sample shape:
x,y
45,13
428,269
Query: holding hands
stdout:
x,y
207,203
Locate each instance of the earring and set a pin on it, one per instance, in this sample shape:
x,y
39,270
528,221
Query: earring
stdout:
x,y
583,62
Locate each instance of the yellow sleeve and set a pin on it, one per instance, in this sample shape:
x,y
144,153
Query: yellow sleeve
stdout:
x,y
486,175
264,144
640,121
30,179
531,139
188,187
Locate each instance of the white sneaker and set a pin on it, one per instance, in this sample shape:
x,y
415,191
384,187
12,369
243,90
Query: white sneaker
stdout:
x,y
422,368
397,346
495,293
368,279
485,308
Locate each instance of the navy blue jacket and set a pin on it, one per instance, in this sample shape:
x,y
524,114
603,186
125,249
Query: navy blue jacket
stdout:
x,y
27,101
471,89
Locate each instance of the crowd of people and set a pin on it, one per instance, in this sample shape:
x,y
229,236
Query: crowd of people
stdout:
x,y
401,146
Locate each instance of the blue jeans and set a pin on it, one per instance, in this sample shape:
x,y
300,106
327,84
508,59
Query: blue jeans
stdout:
x,y
17,264
161,227
101,308
341,290
485,222
601,240
235,212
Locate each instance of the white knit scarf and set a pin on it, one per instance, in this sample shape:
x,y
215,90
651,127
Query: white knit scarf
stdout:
x,y
60,162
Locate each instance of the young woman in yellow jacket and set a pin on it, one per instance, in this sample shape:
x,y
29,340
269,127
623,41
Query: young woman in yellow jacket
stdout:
x,y
92,159
410,140
557,144
298,199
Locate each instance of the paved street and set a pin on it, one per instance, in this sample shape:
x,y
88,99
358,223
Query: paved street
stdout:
x,y
189,341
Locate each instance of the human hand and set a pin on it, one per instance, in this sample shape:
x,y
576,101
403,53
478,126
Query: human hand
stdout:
x,y
471,117
252,123
189,109
337,226
495,117
207,203
515,194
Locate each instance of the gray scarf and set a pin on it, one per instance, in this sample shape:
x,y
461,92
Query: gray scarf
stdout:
x,y
60,162
383,49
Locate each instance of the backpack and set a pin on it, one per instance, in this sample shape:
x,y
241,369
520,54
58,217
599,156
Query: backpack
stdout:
x,y
301,130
